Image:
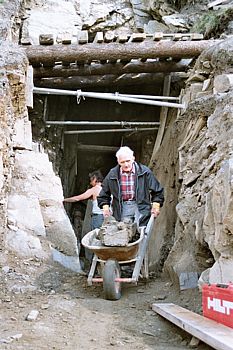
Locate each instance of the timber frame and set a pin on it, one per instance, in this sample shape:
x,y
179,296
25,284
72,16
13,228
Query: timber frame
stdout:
x,y
114,61
111,60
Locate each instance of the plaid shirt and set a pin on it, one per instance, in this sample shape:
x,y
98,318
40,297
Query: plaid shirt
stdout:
x,y
128,185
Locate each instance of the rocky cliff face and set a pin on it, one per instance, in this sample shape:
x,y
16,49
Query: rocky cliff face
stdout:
x,y
203,232
204,206
12,108
30,192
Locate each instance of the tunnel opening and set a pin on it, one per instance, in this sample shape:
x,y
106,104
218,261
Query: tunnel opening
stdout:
x,y
94,147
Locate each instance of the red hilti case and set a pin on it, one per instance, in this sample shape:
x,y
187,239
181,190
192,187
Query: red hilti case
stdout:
x,y
217,303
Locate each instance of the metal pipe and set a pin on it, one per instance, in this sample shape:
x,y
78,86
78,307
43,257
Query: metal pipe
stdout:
x,y
118,98
151,97
120,123
46,91
106,130
115,97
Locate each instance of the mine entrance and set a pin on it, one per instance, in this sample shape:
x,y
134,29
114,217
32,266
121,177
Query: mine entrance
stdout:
x,y
110,124
129,66
134,64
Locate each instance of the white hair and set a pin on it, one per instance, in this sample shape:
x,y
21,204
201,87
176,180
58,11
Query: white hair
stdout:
x,y
125,150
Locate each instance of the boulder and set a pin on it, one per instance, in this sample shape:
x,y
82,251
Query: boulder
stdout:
x,y
114,233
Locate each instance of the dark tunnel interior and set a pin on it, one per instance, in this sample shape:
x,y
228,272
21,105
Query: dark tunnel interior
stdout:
x,y
94,146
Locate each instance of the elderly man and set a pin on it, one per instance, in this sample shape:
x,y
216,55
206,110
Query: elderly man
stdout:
x,y
131,189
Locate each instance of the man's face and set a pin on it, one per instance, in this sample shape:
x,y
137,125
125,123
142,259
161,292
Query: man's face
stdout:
x,y
126,162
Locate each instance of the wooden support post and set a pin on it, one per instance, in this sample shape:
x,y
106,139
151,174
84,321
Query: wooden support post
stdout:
x,y
163,120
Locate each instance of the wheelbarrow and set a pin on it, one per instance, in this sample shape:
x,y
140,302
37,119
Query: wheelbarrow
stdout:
x,y
111,259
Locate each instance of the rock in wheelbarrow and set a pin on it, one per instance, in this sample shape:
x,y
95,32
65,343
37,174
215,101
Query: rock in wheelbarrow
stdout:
x,y
114,233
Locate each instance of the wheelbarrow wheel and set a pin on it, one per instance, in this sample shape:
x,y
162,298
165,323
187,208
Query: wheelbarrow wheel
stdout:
x,y
112,288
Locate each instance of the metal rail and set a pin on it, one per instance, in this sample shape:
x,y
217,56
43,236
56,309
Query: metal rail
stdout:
x,y
118,98
120,123
72,132
99,95
150,97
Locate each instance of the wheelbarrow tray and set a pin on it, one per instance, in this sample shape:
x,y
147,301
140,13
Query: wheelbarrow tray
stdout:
x,y
120,253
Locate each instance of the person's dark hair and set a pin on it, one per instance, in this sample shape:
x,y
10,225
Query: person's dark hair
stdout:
x,y
96,175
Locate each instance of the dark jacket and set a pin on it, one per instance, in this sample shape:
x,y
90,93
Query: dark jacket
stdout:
x,y
147,190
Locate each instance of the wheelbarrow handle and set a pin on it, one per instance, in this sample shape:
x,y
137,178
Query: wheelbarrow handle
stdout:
x,y
142,248
149,226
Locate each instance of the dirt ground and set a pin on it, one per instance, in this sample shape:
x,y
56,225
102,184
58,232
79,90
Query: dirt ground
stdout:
x,y
75,316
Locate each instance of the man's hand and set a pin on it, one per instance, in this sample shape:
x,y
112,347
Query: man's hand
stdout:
x,y
155,209
106,211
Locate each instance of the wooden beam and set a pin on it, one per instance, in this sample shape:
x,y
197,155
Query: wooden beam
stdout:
x,y
117,68
79,82
97,148
112,51
212,333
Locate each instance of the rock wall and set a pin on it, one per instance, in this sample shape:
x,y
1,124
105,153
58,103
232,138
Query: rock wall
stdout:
x,y
31,211
12,104
166,168
10,20
204,225
61,16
